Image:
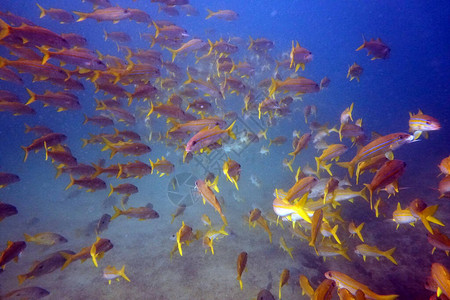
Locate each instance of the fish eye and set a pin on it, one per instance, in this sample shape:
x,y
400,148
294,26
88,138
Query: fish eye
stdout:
x,y
194,142
428,122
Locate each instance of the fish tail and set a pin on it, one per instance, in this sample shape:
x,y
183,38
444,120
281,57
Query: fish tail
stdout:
x,y
112,190
426,216
334,233
363,44
42,11
122,273
156,32
59,170
289,164
4,29
152,165
211,47
363,193
151,110
72,181
94,255
273,87
32,97
26,153
343,252
340,131
358,231
85,142
27,237
210,14
370,195
117,212
224,219
240,282
82,16
230,132
173,218
174,53
388,255
251,43
21,278
86,119
120,171
68,258
299,208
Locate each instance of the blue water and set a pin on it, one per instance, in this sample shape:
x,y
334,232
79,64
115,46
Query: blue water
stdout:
x,y
415,76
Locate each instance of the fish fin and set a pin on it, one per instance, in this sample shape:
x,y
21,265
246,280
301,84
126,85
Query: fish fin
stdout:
x,y
122,273
82,16
117,212
388,255
210,14
4,29
72,181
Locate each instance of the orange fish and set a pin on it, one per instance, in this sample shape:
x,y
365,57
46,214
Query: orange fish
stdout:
x,y
208,195
376,48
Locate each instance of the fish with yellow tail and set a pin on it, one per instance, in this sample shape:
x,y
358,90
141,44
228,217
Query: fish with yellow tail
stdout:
x,y
420,210
299,56
263,224
211,235
208,136
420,122
382,145
99,248
327,231
253,216
315,227
283,208
284,246
390,172
183,236
110,273
344,281
284,278
232,169
353,229
441,277
332,152
306,286
366,250
162,166
302,187
241,266
439,241
208,195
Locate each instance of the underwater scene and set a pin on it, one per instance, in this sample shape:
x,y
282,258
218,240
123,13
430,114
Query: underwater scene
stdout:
x,y
192,149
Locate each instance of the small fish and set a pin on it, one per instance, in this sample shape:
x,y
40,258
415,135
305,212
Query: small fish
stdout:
x,y
114,14
50,264
31,293
102,224
241,266
344,281
141,213
110,273
232,169
299,57
46,238
420,122
180,210
7,210
390,172
375,47
162,166
7,179
284,246
315,227
382,145
353,229
306,286
205,220
284,278
439,241
208,195
124,188
441,277
324,290
92,184
354,71
227,15
366,250
12,252
98,248
183,236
